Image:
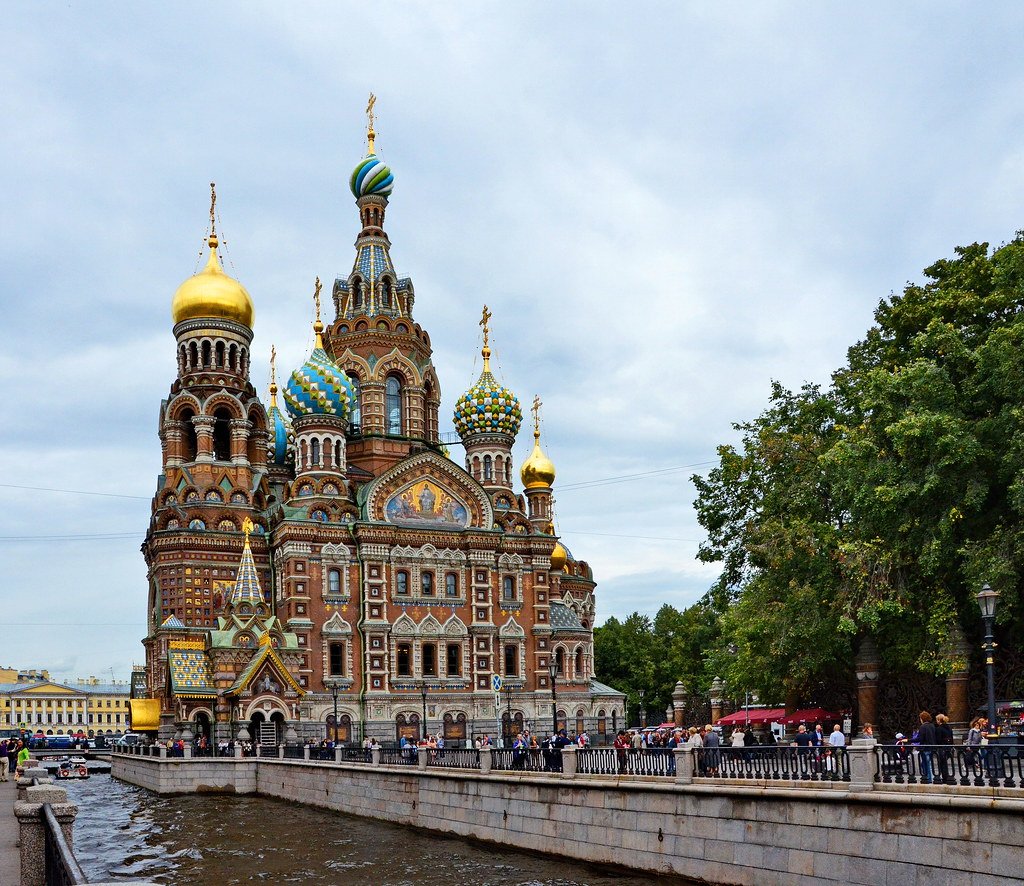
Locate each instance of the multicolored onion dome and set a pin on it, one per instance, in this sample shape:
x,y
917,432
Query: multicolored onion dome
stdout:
x,y
279,432
371,176
318,387
487,408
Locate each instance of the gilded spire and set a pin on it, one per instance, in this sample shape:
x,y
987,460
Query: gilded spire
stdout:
x,y
247,584
213,216
486,352
370,117
318,326
273,378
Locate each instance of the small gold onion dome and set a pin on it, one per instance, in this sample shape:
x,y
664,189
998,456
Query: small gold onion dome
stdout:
x,y
558,558
537,471
213,294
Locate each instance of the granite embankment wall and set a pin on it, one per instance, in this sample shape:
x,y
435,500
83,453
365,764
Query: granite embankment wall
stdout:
x,y
717,833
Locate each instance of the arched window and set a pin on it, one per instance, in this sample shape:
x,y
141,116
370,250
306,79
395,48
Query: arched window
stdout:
x,y
454,659
221,435
427,581
488,468
511,660
508,588
401,582
337,454
393,405
429,659
193,359
403,667
357,295
451,585
315,451
219,350
579,663
189,440
560,662
334,581
337,659
206,353
355,414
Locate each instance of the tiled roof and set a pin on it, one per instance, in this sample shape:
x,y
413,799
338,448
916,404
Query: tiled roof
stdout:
x,y
191,673
599,688
564,619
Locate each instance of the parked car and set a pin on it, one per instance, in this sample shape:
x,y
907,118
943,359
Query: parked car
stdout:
x,y
129,739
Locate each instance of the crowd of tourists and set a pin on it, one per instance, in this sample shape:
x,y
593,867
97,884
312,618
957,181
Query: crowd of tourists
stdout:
x,y
14,754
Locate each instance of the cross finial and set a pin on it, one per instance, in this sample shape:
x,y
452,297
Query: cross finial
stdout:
x,y
370,117
273,375
483,322
316,297
536,415
213,208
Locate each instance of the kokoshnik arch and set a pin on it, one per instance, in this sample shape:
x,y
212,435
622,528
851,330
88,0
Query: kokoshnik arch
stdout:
x,y
333,549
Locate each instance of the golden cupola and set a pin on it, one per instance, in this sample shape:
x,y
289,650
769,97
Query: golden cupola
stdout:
x,y
212,294
538,471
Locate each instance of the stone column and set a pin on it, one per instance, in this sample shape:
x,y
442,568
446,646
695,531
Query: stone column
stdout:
x,y
421,759
31,829
862,764
867,665
486,761
957,709
678,703
375,756
240,429
717,692
569,761
684,765
204,437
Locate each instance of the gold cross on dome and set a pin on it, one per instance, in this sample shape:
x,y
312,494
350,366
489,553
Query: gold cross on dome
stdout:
x,y
536,414
316,297
370,117
483,322
273,369
213,206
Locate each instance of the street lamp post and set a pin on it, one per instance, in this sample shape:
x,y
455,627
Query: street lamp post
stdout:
x,y
508,705
553,673
423,692
334,695
987,599
643,710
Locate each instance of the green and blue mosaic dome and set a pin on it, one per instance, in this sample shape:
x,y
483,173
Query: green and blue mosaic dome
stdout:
x,y
487,408
318,387
279,431
371,176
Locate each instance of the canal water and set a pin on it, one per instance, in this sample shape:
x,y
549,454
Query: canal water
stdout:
x,y
124,833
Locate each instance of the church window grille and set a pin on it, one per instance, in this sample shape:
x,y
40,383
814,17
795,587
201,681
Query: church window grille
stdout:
x,y
393,405
402,582
222,435
451,585
429,660
511,660
336,655
403,666
334,581
454,659
427,582
356,412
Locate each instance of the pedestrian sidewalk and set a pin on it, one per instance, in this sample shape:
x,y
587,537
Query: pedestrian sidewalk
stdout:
x,y
10,858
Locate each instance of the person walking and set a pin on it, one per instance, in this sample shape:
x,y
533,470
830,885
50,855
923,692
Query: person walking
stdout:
x,y
24,755
711,757
944,739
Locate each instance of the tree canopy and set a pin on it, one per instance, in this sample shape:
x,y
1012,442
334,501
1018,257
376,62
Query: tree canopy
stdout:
x,y
874,507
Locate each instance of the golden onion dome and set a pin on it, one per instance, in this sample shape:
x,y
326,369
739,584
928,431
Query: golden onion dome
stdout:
x,y
537,471
212,294
558,556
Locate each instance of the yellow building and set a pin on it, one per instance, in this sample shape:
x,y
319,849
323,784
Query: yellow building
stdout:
x,y
19,675
54,708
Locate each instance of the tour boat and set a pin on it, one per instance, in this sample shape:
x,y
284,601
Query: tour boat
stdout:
x,y
73,767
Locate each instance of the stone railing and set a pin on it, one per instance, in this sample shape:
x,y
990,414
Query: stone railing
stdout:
x,y
862,766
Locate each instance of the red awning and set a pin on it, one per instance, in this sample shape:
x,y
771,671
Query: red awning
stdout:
x,y
812,715
755,716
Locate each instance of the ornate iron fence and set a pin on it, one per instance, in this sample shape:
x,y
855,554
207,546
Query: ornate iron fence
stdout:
x,y
62,869
391,755
774,763
452,758
529,760
986,766
625,761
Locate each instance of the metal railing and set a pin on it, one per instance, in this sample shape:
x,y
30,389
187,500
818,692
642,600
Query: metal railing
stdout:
x,y
356,755
61,866
626,761
528,760
391,755
984,766
774,763
452,758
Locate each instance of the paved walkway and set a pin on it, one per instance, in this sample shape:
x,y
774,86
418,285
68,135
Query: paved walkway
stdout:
x,y
10,860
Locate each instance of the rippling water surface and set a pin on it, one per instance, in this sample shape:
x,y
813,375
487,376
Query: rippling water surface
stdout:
x,y
124,833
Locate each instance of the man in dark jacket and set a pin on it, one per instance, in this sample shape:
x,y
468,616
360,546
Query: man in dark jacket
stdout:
x,y
926,738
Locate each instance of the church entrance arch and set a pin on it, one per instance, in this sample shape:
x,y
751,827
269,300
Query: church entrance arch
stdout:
x,y
202,726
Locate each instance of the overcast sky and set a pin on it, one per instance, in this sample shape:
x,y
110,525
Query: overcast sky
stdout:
x,y
665,206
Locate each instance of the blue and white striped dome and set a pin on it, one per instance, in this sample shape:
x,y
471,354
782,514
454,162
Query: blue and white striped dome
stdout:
x,y
371,176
